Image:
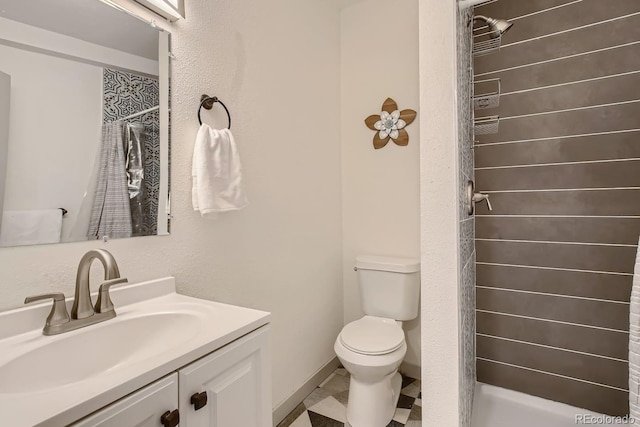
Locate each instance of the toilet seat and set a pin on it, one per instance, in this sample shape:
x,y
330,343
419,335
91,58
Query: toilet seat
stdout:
x,y
372,336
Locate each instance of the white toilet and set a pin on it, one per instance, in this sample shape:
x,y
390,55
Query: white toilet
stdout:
x,y
372,348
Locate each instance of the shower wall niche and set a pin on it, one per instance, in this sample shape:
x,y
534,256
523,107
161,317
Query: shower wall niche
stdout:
x,y
555,257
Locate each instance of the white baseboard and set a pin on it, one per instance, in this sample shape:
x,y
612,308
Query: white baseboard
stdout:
x,y
288,405
410,370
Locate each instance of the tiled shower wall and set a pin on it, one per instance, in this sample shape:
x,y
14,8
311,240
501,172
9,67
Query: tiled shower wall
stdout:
x,y
555,257
467,251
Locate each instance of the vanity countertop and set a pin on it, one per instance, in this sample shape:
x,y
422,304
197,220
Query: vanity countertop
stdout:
x,y
156,332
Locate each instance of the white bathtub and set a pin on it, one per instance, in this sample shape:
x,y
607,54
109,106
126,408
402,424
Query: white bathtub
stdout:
x,y
499,407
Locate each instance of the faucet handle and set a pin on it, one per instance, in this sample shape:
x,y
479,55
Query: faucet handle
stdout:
x,y
486,199
58,314
104,303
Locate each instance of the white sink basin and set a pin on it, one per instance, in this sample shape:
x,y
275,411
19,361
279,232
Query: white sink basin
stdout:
x,y
94,350
56,380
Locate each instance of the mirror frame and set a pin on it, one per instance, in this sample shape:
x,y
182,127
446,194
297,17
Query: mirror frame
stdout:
x,y
163,8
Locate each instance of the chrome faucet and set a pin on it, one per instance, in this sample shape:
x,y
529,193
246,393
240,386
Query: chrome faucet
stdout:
x,y
83,312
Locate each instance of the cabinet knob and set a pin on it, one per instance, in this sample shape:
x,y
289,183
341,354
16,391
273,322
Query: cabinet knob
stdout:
x,y
170,418
199,400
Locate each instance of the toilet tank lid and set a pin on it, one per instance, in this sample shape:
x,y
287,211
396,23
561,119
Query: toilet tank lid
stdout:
x,y
386,263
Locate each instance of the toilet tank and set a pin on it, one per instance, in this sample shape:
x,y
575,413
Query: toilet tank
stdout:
x,y
389,286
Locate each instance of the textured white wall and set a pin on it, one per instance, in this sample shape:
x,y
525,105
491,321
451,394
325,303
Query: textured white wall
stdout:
x,y
51,142
380,188
5,97
276,66
439,174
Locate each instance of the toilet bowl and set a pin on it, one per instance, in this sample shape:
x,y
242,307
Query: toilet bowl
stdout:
x,y
371,350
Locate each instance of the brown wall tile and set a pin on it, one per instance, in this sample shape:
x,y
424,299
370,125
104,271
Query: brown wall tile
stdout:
x,y
576,122
572,337
618,259
568,17
593,202
508,9
589,229
579,175
595,147
599,92
577,283
575,365
608,62
580,394
572,310
602,36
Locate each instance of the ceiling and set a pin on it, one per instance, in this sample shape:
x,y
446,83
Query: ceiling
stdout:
x,y
88,20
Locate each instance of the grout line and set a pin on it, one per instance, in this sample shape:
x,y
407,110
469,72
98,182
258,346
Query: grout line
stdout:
x,y
553,295
537,267
553,374
581,162
543,10
471,258
484,4
573,82
548,190
550,138
581,27
558,216
575,55
568,110
526,15
553,347
552,321
624,245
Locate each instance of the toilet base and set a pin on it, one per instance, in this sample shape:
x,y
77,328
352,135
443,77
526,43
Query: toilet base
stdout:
x,y
373,404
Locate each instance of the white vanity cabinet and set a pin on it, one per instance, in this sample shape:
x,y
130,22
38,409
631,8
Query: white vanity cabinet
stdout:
x,y
236,382
229,387
144,408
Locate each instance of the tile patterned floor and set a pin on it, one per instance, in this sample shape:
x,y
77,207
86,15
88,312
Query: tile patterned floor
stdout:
x,y
327,405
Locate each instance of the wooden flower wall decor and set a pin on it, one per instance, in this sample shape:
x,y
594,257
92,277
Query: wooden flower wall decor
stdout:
x,y
390,124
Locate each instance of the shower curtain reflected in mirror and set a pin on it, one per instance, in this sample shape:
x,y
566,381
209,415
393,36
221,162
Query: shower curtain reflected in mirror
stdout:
x,y
118,190
134,144
111,213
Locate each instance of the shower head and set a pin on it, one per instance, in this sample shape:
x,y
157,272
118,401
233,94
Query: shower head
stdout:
x,y
497,27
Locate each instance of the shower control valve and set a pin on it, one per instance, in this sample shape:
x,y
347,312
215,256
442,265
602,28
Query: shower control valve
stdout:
x,y
473,198
478,197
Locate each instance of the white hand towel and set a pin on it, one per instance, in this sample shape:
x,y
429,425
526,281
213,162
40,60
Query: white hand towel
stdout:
x,y
31,227
216,172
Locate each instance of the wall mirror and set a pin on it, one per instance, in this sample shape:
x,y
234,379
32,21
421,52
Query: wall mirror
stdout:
x,y
84,123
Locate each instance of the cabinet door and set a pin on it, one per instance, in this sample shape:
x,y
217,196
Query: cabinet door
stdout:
x,y
237,383
140,409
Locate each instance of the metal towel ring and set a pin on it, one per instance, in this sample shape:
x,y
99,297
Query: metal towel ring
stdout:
x,y
207,102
